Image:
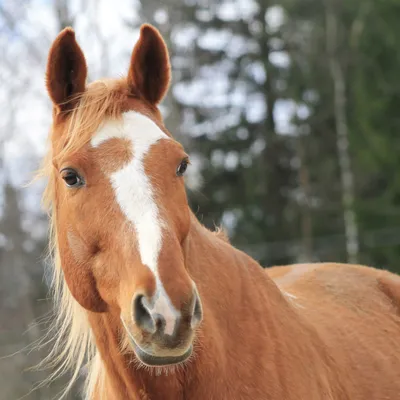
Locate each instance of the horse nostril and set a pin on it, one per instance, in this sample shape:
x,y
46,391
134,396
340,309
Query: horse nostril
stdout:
x,y
197,312
142,316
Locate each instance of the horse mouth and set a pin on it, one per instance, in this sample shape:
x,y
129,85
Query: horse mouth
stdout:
x,y
153,360
160,361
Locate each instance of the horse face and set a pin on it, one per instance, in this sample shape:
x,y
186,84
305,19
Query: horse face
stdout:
x,y
120,205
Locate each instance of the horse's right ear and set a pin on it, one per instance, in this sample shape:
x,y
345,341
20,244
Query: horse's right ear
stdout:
x,y
66,71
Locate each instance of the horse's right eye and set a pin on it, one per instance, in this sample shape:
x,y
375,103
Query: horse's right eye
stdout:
x,y
71,178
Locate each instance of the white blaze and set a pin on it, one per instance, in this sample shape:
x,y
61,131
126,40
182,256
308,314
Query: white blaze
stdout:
x,y
134,194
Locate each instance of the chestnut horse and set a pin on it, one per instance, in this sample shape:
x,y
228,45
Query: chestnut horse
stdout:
x,y
155,306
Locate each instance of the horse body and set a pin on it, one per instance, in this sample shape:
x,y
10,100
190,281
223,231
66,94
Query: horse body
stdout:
x,y
164,308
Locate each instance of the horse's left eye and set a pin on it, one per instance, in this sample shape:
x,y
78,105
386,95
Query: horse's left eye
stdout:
x,y
71,178
182,167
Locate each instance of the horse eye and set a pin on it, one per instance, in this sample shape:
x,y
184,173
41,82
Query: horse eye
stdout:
x,y
182,167
71,178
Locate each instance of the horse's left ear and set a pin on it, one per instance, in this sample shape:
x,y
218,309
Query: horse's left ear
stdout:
x,y
150,70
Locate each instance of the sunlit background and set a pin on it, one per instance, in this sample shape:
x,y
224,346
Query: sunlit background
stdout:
x,y
289,109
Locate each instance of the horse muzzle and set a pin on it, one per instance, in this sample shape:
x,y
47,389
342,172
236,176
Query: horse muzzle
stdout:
x,y
161,335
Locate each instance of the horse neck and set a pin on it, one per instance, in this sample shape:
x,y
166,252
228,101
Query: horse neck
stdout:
x,y
230,278
247,318
238,298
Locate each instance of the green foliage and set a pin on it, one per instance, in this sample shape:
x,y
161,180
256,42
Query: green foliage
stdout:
x,y
375,125
277,187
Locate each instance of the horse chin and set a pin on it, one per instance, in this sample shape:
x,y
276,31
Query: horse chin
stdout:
x,y
152,360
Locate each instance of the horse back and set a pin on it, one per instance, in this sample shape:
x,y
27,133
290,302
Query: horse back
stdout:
x,y
356,312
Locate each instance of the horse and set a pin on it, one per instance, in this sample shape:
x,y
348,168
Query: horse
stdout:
x,y
153,305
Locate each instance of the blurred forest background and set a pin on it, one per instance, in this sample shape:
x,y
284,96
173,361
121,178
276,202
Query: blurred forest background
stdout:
x,y
290,110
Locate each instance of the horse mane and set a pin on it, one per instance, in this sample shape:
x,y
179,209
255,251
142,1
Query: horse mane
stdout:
x,y
72,341
222,234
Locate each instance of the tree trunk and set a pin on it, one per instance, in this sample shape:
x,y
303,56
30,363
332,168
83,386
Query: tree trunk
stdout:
x,y
306,254
346,173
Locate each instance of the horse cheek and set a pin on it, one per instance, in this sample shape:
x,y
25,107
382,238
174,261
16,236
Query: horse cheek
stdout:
x,y
80,280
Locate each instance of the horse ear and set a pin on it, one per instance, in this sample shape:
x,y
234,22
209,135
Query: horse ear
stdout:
x,y
150,70
66,70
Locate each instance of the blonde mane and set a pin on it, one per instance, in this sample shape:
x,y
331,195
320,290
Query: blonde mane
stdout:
x,y
70,332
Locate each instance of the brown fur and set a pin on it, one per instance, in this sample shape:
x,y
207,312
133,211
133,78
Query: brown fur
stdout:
x,y
325,331
355,310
